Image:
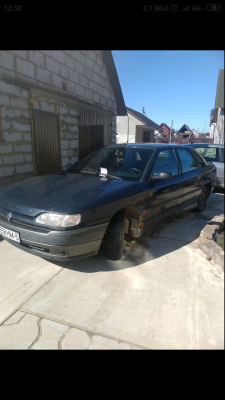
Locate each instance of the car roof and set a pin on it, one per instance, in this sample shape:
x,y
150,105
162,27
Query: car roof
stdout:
x,y
220,146
145,145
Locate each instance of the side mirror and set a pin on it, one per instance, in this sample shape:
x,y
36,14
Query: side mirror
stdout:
x,y
161,176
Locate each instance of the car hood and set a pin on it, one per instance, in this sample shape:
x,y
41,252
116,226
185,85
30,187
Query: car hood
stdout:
x,y
62,193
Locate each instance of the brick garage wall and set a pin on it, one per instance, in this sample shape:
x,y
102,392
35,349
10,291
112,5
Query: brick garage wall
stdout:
x,y
15,133
80,73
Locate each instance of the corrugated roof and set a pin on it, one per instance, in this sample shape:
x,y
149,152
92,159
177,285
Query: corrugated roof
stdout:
x,y
143,119
220,90
113,76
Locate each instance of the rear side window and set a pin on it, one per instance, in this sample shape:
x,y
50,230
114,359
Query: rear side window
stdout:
x,y
199,159
188,162
209,153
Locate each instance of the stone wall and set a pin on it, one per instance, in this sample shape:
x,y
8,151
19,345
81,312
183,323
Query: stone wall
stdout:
x,y
217,129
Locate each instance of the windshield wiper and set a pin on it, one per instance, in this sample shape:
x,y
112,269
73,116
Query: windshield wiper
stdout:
x,y
110,176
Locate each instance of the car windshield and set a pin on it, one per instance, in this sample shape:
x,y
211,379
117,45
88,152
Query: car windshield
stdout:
x,y
124,163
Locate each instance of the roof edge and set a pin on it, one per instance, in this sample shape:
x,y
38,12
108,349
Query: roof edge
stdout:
x,y
114,79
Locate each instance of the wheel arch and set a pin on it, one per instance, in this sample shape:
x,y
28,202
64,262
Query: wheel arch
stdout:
x,y
208,187
133,219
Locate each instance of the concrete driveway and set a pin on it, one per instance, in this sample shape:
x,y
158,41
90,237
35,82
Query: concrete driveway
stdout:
x,y
163,294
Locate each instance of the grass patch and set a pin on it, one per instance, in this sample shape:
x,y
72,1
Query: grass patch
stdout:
x,y
220,240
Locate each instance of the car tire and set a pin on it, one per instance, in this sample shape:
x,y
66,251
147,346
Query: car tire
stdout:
x,y
202,200
115,236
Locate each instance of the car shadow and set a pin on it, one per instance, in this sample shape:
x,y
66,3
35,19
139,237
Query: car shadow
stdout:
x,y
164,239
148,247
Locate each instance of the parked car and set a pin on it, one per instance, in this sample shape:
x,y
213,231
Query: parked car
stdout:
x,y
117,192
212,153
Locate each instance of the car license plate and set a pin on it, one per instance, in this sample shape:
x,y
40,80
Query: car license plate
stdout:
x,y
10,234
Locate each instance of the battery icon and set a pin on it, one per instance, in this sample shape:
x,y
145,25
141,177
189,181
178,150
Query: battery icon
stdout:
x,y
213,7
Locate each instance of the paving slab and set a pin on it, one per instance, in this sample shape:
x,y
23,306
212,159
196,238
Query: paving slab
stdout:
x,y
161,295
20,335
77,339
51,335
21,274
32,332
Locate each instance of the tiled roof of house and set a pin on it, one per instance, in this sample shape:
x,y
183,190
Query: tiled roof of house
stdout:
x,y
143,119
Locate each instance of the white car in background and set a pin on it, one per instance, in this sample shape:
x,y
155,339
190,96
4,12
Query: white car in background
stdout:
x,y
213,153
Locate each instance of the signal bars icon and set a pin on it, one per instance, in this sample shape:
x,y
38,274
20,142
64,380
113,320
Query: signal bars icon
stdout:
x,y
186,9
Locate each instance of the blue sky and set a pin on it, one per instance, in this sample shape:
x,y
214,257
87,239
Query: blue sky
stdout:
x,y
171,85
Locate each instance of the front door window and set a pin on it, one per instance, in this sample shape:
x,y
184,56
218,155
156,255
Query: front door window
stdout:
x,y
166,162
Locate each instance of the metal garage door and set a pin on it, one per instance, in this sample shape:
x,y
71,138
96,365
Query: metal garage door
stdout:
x,y
90,139
94,130
47,142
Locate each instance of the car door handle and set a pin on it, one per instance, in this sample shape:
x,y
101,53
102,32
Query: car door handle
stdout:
x,y
178,185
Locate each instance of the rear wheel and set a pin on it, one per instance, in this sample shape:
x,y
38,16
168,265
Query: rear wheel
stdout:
x,y
115,236
202,200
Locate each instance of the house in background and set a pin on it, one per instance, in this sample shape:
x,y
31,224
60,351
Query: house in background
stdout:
x,y
166,129
217,115
56,106
184,132
204,135
195,133
135,127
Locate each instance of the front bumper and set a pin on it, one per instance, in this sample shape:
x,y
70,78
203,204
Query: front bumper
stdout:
x,y
57,245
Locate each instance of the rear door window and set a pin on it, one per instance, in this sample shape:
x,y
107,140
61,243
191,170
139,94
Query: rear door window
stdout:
x,y
199,159
188,162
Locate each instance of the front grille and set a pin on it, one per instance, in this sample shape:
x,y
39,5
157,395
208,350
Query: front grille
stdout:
x,y
18,224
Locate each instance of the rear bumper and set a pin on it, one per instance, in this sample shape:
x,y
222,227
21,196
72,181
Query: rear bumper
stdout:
x,y
58,245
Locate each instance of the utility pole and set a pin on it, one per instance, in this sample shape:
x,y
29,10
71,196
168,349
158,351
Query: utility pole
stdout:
x,y
171,130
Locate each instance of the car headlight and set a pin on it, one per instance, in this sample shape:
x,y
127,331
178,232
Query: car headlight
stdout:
x,y
60,220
